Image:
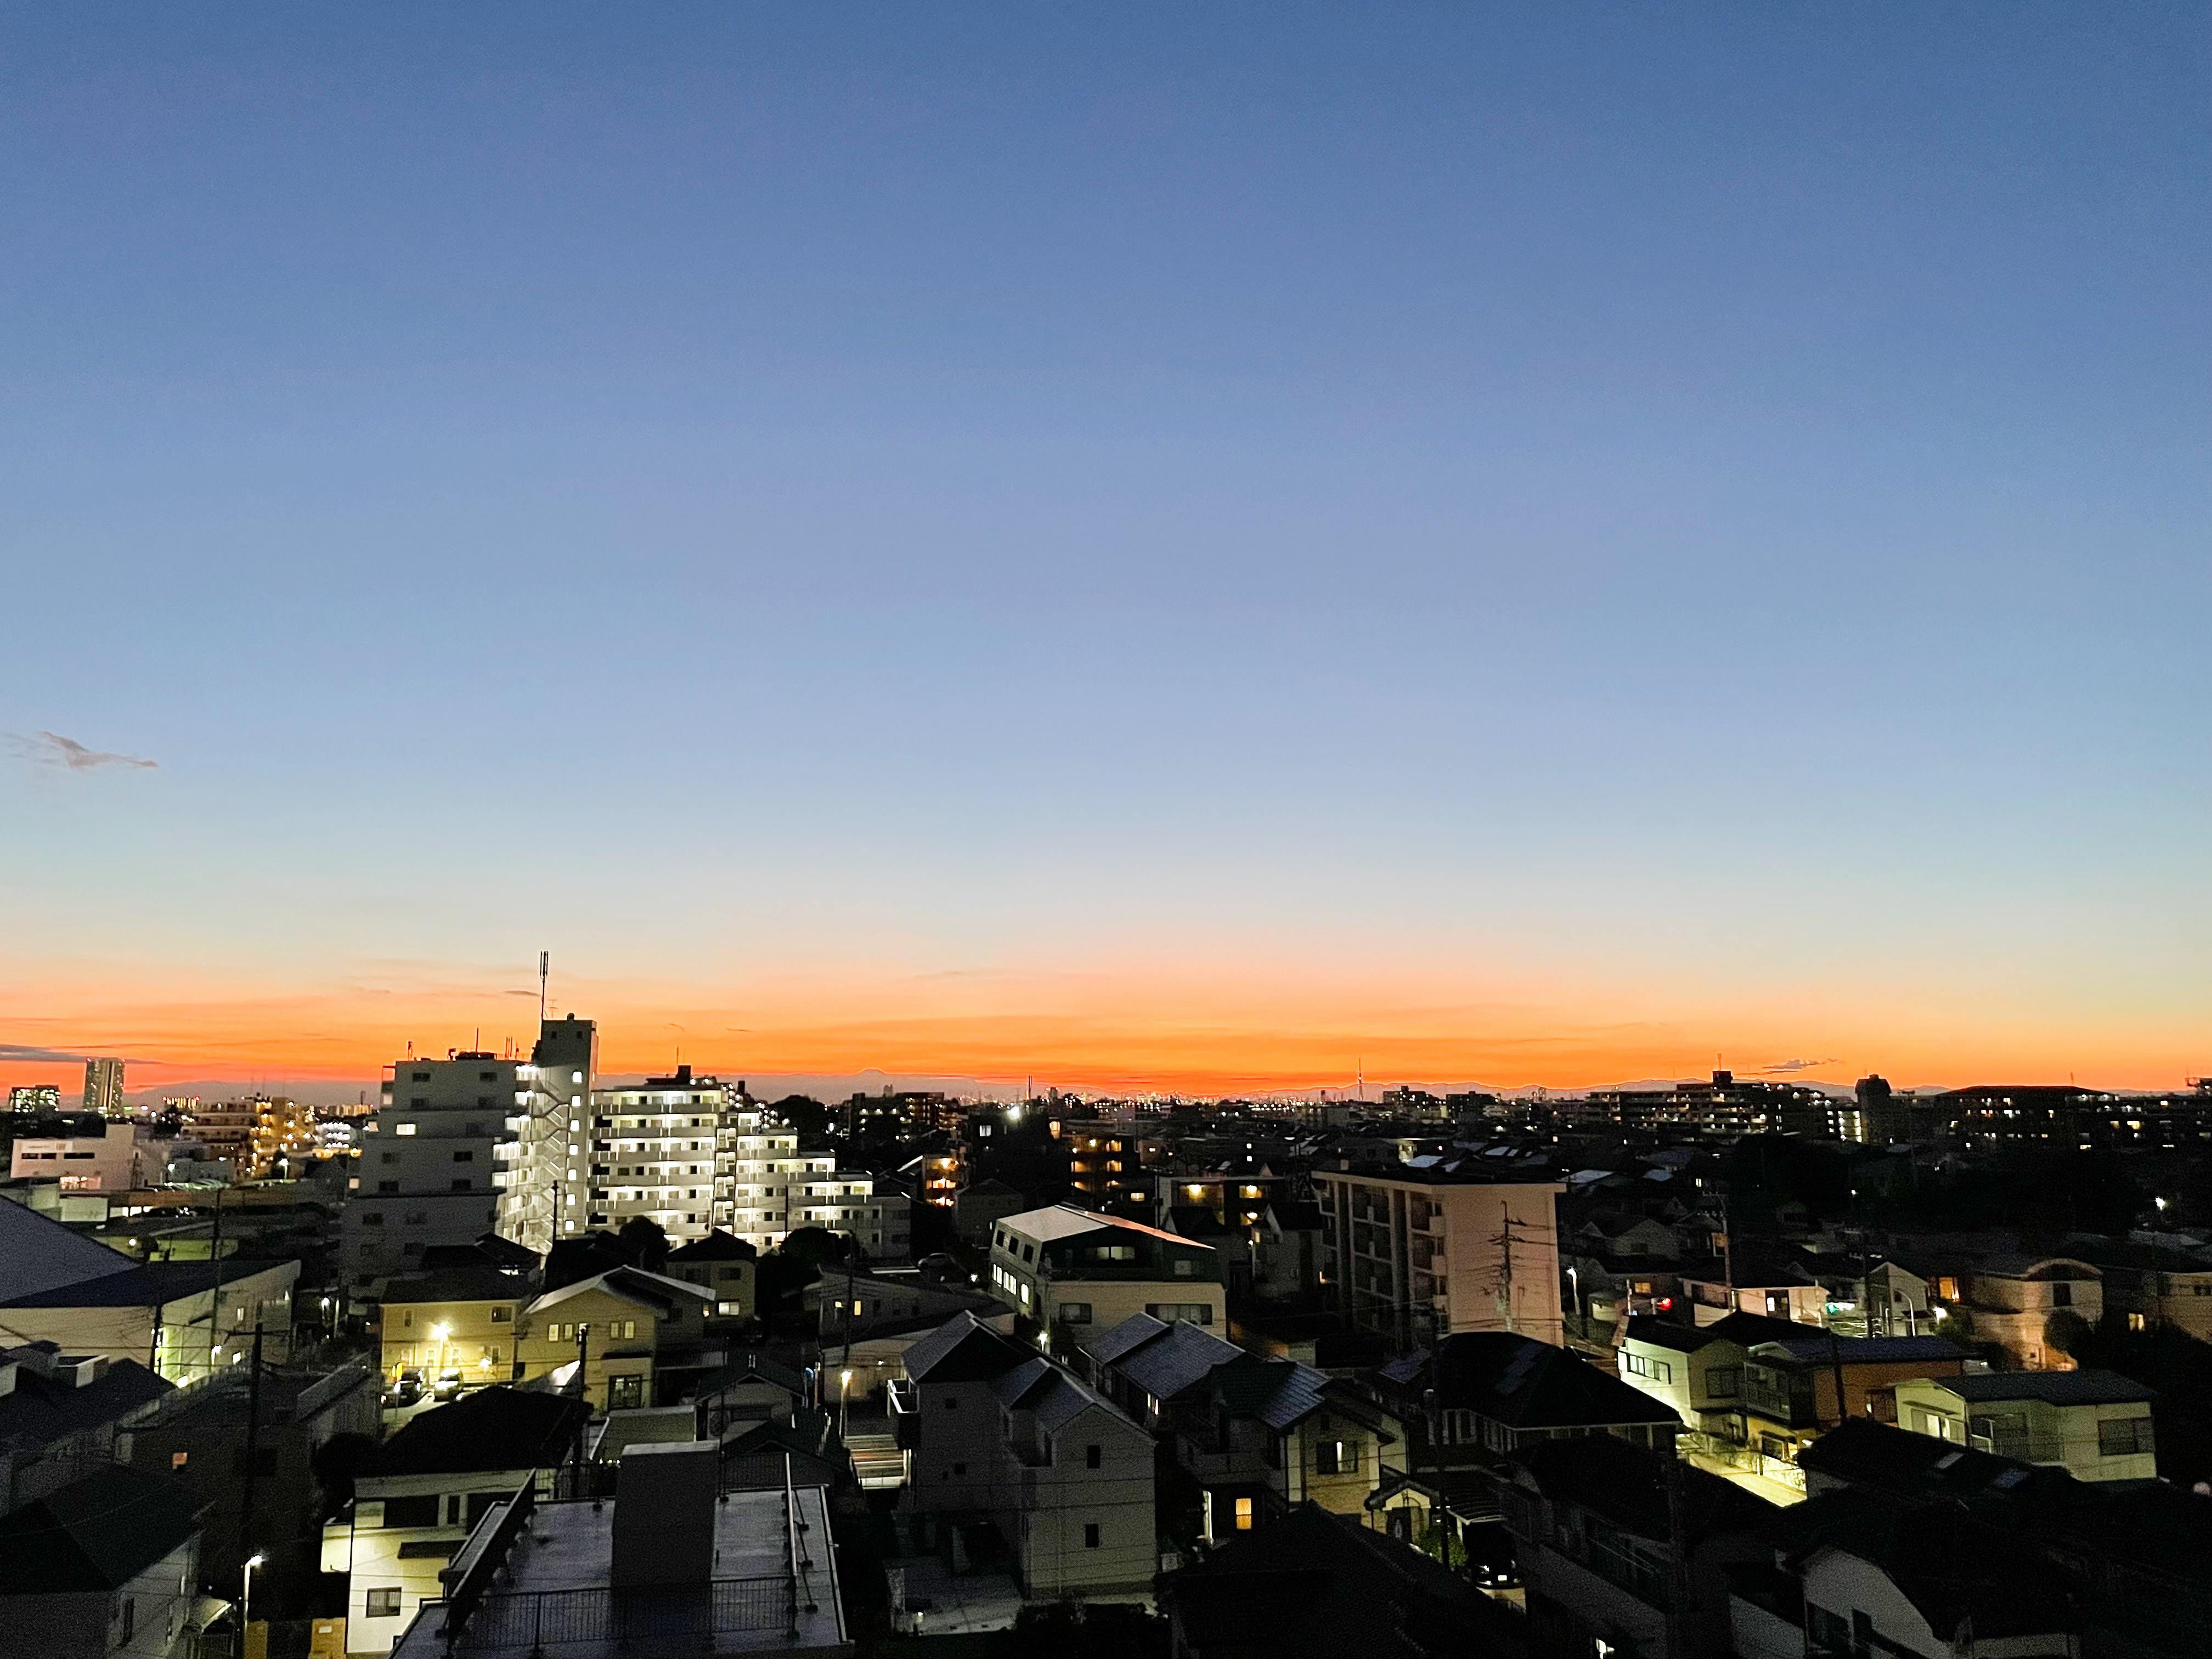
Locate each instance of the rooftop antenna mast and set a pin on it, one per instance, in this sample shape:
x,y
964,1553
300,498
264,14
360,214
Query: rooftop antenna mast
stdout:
x,y
544,967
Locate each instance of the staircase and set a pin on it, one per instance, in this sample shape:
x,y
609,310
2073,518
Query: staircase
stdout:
x,y
876,1460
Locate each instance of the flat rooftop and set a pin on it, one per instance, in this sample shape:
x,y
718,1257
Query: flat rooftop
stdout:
x,y
553,1599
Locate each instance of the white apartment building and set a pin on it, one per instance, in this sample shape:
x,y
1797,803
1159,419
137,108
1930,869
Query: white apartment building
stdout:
x,y
694,1154
430,1157
544,1178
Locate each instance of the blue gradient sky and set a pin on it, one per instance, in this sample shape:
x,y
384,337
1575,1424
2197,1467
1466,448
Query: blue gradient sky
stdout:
x,y
1246,533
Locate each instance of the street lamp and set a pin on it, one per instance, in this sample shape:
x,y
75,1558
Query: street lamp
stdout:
x,y
844,1378
245,1597
1575,1279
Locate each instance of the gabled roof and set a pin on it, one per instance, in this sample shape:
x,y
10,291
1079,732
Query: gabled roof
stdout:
x,y
1862,1452
1526,1384
1626,1485
754,1367
97,1534
653,1292
1059,1221
1180,1359
495,1428
717,1246
1050,1393
1277,1391
1112,1343
1959,1573
964,1349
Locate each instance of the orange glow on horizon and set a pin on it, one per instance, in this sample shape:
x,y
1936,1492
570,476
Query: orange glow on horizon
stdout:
x,y
1137,1029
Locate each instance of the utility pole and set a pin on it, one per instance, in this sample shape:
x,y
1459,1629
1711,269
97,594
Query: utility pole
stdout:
x,y
214,1313
252,1443
1675,1474
583,1393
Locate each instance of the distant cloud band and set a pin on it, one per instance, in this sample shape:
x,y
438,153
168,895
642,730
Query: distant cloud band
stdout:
x,y
51,749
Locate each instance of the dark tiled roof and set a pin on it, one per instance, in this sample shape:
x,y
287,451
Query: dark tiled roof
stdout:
x,y
1319,1586
143,1286
1277,1392
497,1428
963,1350
1862,1452
1817,1347
2053,1387
1957,1573
41,1410
1111,1344
752,1367
1526,1384
484,1284
717,1246
1181,1358
97,1534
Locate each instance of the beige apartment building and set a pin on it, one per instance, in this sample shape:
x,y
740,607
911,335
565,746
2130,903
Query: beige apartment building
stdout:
x,y
1424,1253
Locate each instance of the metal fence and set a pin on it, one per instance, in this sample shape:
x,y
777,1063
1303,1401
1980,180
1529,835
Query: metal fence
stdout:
x,y
549,1619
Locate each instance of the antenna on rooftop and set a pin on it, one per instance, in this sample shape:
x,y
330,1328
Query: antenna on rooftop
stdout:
x,y
544,967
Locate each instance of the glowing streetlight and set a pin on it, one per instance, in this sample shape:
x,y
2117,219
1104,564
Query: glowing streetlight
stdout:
x,y
844,1380
245,1594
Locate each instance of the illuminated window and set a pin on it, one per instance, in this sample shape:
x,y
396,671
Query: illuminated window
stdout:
x,y
404,1129
1243,1515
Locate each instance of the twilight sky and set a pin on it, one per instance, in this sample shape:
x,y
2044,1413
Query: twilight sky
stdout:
x,y
1147,544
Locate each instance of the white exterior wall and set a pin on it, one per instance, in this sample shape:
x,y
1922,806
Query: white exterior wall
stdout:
x,y
114,1162
444,1122
659,1148
1841,1584
955,1464
367,1549
186,1332
1065,1497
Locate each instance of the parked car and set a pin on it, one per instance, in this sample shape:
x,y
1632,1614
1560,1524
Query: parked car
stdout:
x,y
448,1386
406,1390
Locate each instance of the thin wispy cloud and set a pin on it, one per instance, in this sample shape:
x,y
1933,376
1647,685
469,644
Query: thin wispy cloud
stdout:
x,y
32,1055
51,749
1794,1066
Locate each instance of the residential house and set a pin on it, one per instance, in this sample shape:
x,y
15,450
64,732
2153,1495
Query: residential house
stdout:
x,y
1621,1549
61,1416
1897,1299
754,1388
251,1457
723,1265
2094,1425
1796,1388
2129,1556
1454,1247
104,1568
1696,1369
454,1319
180,1319
1777,1288
2154,1284
1851,1573
626,1326
1251,1436
417,1496
1286,1250
1318,1586
2021,1303
1074,1492
1457,1414
981,1205
945,1415
1064,1271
